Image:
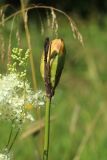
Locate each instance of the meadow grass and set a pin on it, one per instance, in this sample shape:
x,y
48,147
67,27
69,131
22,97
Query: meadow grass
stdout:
x,y
79,129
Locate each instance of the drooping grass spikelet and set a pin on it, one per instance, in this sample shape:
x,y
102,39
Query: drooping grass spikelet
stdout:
x,y
54,23
48,19
18,38
2,16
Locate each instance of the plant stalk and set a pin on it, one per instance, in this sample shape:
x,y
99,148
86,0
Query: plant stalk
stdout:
x,y
14,139
47,128
28,38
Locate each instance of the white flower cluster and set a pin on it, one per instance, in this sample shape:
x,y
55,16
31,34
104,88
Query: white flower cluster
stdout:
x,y
17,98
4,155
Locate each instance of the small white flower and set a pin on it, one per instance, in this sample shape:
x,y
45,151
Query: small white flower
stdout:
x,y
39,98
30,117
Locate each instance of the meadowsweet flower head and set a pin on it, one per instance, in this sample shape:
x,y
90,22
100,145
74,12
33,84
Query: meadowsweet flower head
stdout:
x,y
4,155
17,99
12,98
16,96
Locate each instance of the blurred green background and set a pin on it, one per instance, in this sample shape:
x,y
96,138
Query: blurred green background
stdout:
x,y
79,130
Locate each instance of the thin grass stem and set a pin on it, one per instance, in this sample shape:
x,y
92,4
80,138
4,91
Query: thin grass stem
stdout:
x,y
10,135
25,19
14,139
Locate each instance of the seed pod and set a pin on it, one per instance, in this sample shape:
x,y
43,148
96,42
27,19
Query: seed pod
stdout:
x,y
52,62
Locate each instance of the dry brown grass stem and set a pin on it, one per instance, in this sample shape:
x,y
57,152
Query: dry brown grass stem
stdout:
x,y
25,19
74,119
2,42
75,30
5,6
10,39
89,131
2,46
35,128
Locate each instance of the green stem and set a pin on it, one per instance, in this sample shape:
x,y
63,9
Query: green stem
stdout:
x,y
14,139
47,128
10,136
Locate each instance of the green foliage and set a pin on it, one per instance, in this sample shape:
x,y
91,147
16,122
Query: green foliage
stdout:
x,y
80,95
